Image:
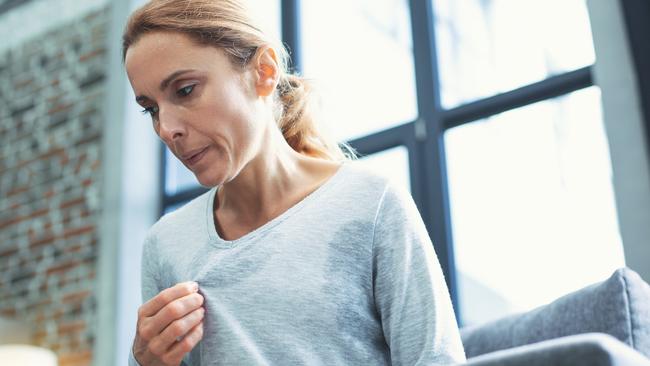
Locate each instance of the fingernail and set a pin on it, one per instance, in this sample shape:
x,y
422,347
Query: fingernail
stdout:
x,y
194,286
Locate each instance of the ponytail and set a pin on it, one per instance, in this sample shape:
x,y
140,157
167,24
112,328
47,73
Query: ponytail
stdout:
x,y
296,119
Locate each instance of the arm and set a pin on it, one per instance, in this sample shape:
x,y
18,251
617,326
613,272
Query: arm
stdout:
x,y
410,292
164,310
148,281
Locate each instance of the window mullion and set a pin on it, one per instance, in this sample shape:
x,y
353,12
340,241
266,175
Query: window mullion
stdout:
x,y
429,156
290,14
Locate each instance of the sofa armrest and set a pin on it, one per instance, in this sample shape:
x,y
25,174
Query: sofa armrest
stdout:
x,y
589,349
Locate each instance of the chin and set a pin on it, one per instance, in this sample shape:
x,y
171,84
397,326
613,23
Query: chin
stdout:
x,y
210,180
208,183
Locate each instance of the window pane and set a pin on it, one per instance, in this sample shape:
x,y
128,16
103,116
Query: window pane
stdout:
x,y
177,177
267,13
491,46
359,54
533,211
392,163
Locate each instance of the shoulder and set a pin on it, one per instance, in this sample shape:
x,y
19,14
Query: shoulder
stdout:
x,y
388,201
350,198
358,179
383,190
361,192
361,183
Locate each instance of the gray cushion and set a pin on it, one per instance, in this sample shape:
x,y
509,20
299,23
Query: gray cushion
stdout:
x,y
590,349
619,306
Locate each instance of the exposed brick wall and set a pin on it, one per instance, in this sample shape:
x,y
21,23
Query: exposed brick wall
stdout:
x,y
51,95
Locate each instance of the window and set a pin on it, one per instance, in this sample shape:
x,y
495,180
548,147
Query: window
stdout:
x,y
528,168
489,115
490,47
531,198
363,66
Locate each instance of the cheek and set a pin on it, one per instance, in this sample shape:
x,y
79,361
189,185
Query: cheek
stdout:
x,y
231,112
241,118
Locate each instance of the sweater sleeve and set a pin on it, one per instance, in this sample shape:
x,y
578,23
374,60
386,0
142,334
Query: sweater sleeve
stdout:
x,y
410,292
149,270
151,283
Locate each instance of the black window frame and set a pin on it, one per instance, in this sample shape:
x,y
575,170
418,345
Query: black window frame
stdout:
x,y
636,15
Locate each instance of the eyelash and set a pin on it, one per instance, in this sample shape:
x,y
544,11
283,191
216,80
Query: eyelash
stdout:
x,y
150,111
182,92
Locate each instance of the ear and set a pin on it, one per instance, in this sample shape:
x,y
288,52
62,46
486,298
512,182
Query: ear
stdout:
x,y
267,71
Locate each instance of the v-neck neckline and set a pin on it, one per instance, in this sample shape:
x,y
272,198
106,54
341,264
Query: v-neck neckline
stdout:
x,y
216,239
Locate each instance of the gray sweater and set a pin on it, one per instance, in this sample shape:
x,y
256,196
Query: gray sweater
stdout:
x,y
348,276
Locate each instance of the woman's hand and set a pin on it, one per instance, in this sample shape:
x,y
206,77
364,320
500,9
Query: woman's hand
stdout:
x,y
169,326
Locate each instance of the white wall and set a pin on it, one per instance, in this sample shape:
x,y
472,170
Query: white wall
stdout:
x,y
130,206
615,75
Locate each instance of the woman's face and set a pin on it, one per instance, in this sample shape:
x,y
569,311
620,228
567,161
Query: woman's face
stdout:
x,y
206,111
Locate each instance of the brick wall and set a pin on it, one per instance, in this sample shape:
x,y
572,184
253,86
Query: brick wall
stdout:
x,y
51,94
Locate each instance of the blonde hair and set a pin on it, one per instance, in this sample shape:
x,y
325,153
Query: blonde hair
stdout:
x,y
226,24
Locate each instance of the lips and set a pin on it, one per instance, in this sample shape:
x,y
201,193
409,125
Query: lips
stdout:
x,y
194,156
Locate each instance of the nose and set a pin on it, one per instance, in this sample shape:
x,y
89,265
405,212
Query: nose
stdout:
x,y
170,126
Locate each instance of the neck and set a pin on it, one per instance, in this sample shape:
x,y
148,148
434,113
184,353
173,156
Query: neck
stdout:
x,y
264,185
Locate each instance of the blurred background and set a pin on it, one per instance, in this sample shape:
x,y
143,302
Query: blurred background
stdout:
x,y
520,127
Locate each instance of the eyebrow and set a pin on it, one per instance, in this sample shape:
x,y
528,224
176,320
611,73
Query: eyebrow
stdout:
x,y
171,77
164,83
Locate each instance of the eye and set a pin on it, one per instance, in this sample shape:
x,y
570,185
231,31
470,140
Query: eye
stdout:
x,y
150,111
185,91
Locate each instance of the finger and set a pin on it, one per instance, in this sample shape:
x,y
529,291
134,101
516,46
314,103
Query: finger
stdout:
x,y
176,309
188,343
177,329
153,306
179,308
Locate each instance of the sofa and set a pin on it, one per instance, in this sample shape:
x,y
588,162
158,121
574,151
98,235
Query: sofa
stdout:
x,y
607,323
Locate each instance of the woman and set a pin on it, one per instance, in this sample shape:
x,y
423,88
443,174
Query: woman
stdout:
x,y
296,255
